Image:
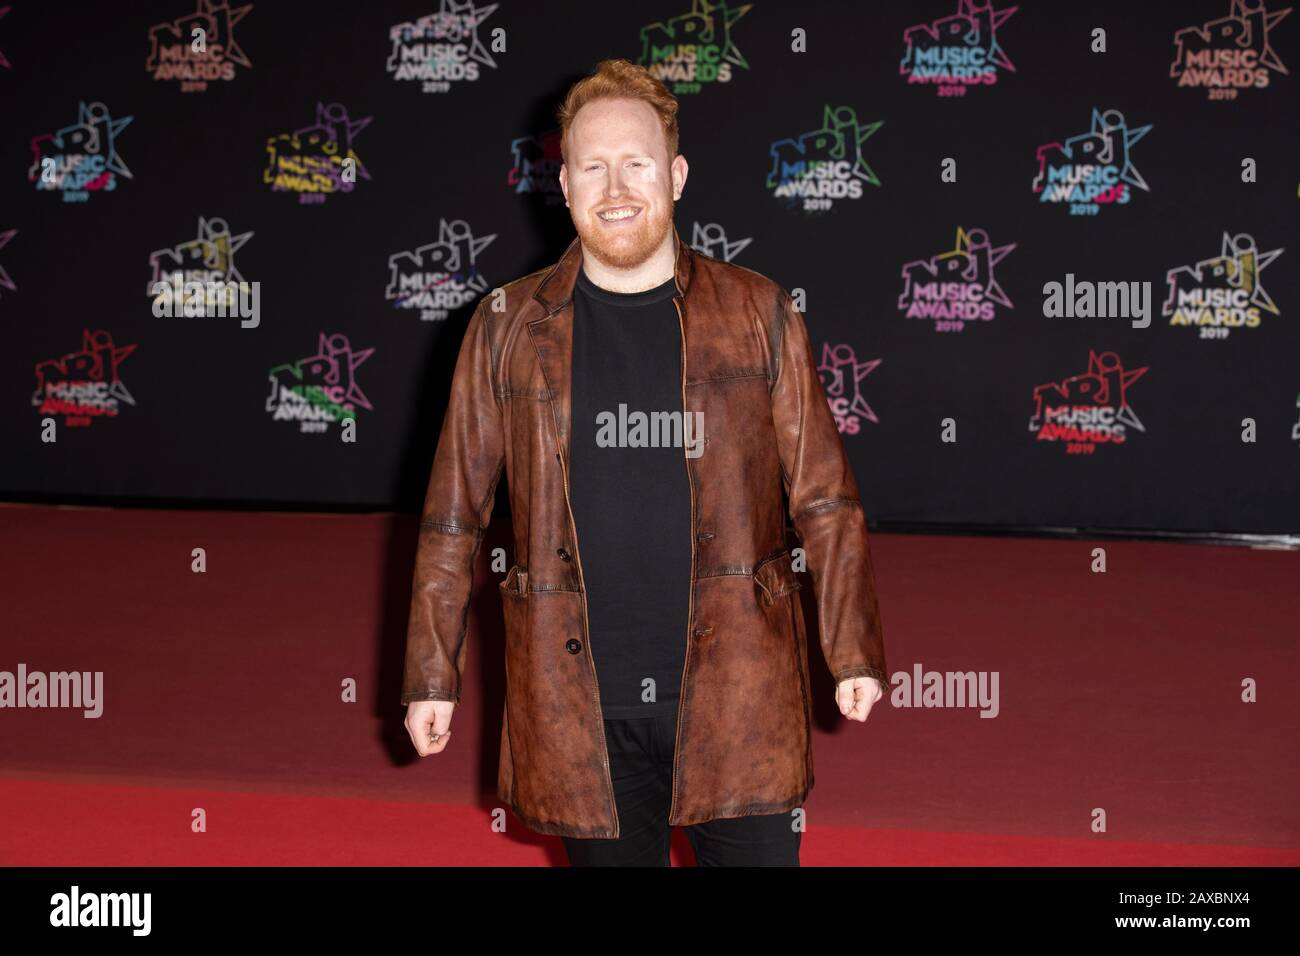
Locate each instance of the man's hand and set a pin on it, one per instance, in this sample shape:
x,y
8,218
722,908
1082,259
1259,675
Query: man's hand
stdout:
x,y
856,695
426,719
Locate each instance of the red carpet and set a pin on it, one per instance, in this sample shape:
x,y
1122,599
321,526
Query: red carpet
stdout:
x,y
1118,691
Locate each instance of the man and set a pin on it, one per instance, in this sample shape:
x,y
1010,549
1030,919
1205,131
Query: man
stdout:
x,y
657,677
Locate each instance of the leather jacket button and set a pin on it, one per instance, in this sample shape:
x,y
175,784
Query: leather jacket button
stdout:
x,y
564,555
705,537
701,630
573,646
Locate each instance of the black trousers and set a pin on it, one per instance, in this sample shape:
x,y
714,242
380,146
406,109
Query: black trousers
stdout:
x,y
641,767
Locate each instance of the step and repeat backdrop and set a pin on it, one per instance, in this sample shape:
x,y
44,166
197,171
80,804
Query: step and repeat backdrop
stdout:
x,y
1046,251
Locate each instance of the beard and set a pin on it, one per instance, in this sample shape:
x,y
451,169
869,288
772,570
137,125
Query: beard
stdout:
x,y
623,248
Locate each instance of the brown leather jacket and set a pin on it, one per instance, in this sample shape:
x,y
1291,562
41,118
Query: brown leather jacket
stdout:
x,y
744,715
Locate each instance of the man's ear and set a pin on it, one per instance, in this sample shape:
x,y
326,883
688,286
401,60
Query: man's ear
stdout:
x,y
564,182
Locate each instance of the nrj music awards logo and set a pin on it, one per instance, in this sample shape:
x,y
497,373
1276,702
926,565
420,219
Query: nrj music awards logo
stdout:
x,y
841,376
957,286
1088,409
319,389
80,159
693,49
957,51
199,48
86,385
440,276
1223,293
1230,53
824,164
197,277
711,239
317,160
5,281
1092,169
536,169
4,62
443,47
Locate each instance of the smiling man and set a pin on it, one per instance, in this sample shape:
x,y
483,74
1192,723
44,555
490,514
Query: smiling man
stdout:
x,y
656,654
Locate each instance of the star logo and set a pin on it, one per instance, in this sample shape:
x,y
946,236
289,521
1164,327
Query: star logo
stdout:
x,y
5,281
1108,142
707,24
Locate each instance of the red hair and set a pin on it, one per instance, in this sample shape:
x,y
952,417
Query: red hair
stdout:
x,y
620,78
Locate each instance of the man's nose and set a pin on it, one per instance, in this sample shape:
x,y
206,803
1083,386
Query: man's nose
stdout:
x,y
616,185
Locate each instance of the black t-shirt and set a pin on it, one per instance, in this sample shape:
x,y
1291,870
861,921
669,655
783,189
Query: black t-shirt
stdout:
x,y
631,505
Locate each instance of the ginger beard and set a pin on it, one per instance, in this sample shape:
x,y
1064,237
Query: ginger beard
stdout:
x,y
627,244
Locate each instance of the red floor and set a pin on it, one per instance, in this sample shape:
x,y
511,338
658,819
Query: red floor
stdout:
x,y
222,692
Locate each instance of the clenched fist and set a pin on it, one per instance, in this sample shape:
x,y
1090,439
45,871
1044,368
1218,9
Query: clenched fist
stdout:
x,y
855,696
428,722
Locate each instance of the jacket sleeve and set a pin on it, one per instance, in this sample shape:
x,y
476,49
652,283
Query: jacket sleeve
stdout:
x,y
824,506
457,508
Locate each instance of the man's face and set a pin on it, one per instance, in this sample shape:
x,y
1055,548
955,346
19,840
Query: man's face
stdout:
x,y
618,166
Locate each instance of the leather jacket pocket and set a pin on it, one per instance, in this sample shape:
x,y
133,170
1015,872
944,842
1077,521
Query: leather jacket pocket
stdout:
x,y
516,581
775,577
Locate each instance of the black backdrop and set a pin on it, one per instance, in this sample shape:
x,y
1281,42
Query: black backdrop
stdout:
x,y
200,429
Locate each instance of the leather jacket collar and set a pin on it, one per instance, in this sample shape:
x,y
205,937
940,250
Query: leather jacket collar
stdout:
x,y
556,289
